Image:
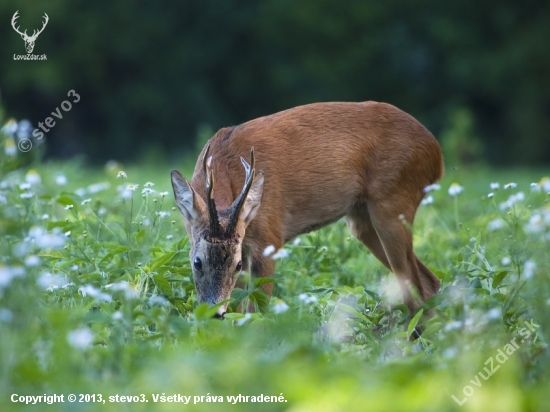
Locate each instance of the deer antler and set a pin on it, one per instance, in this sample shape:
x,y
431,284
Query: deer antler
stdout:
x,y
238,203
35,32
13,22
215,229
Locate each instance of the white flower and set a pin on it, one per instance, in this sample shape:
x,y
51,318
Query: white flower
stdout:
x,y
455,189
162,214
89,290
450,353
490,195
98,187
268,251
453,325
280,307
545,184
535,187
68,233
121,174
428,200
296,241
68,207
33,177
25,186
495,224
132,187
86,201
123,286
157,300
61,180
26,195
7,274
280,254
32,260
494,313
80,338
147,191
506,261
430,188
10,127
49,281
494,186
117,315
46,240
45,216
306,298
24,129
169,237
10,149
510,185
535,224
163,194
512,200
244,319
148,184
6,315
529,269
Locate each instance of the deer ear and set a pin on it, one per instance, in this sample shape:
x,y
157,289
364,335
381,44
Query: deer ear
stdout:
x,y
253,199
189,203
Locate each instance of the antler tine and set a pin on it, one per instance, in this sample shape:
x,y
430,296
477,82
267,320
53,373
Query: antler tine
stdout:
x,y
215,229
37,32
238,203
14,22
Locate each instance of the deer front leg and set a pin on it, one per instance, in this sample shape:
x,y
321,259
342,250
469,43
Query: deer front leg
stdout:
x,y
261,266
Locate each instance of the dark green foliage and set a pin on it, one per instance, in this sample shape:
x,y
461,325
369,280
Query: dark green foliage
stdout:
x,y
151,73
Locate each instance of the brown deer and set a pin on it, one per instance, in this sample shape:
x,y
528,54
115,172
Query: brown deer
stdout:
x,y
309,166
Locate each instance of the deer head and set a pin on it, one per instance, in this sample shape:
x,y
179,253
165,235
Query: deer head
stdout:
x,y
217,237
29,40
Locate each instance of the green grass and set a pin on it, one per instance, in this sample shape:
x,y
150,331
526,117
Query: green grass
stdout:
x,y
110,307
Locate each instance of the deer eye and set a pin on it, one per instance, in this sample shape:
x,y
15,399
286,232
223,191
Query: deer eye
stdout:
x,y
197,263
239,266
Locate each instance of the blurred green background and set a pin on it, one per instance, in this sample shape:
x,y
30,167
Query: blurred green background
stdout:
x,y
153,76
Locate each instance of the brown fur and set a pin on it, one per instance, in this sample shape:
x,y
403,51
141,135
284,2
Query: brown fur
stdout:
x,y
366,161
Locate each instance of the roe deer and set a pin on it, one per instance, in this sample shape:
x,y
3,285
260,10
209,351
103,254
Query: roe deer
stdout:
x,y
310,166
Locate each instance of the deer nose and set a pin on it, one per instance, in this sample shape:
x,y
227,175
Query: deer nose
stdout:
x,y
219,315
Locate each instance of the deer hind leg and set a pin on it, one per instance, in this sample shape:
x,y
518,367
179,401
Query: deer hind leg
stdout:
x,y
360,226
390,225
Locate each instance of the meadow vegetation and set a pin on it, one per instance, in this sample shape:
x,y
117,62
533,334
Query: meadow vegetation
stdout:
x,y
97,297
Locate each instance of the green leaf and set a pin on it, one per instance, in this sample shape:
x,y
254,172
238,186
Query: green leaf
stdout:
x,y
434,327
414,322
434,301
352,311
179,245
51,253
260,299
204,311
162,260
163,285
261,281
115,250
499,277
66,200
